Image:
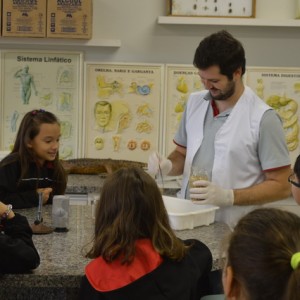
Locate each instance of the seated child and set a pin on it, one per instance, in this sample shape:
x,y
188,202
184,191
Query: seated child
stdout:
x,y
294,179
33,165
17,251
263,257
136,254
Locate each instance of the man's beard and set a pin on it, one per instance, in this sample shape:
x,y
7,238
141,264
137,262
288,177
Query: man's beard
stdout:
x,y
229,91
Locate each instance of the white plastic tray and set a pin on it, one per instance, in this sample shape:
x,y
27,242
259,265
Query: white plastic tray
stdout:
x,y
184,214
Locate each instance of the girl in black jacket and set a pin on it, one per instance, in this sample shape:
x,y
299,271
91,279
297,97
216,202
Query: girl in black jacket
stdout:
x,y
136,253
17,251
33,165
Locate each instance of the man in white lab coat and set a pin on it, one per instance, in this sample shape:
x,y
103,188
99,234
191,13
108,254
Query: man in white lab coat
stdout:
x,y
228,130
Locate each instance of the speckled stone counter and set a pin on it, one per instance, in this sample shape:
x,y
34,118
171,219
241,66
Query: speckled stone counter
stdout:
x,y
62,263
84,184
62,260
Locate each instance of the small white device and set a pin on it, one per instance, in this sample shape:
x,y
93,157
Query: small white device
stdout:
x,y
60,213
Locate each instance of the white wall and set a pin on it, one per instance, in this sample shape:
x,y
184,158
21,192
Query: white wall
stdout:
x,y
134,22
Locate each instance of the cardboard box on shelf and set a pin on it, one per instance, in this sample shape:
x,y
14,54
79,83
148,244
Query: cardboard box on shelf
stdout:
x,y
69,19
24,18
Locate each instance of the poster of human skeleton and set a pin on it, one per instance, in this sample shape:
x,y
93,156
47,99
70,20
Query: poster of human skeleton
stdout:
x,y
42,80
280,88
123,110
180,81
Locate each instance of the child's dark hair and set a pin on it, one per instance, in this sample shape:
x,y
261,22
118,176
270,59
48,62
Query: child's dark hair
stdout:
x,y
131,208
28,130
297,167
260,252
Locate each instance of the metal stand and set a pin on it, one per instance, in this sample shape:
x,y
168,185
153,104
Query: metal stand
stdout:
x,y
38,227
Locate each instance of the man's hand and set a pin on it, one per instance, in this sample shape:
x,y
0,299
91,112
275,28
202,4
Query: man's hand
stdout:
x,y
206,192
157,163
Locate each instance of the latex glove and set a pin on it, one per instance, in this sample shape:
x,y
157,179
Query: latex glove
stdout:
x,y
206,192
156,161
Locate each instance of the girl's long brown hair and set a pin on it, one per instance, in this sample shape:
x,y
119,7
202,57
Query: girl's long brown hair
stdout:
x,y
131,208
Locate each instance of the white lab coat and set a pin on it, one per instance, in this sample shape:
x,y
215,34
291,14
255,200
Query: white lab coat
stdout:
x,y
236,164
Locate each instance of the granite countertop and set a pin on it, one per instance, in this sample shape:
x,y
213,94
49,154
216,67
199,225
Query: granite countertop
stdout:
x,y
62,260
85,184
62,254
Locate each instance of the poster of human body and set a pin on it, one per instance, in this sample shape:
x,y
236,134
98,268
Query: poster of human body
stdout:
x,y
42,80
280,88
123,110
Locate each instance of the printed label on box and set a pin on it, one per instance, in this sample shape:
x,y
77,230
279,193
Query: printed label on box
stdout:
x,y
69,18
24,18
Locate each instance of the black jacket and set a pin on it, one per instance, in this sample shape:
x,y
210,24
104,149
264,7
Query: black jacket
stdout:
x,y
17,251
184,280
23,194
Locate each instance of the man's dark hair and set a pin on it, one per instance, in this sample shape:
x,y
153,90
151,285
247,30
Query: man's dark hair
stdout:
x,y
223,50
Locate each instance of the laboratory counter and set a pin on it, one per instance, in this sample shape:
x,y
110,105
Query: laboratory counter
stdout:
x,y
62,255
91,184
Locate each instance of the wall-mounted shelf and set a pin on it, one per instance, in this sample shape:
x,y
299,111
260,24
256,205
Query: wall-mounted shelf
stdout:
x,y
173,20
62,42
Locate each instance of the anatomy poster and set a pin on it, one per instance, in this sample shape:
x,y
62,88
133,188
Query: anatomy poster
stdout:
x,y
280,88
42,80
123,110
181,80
